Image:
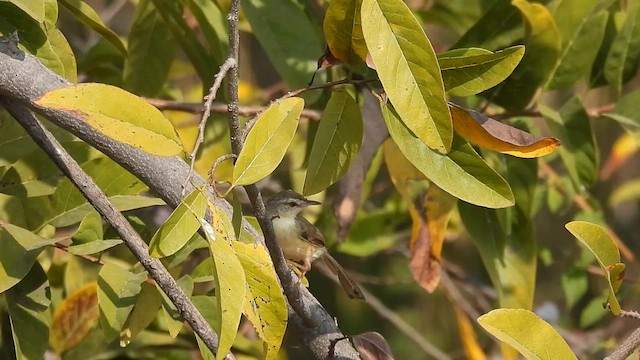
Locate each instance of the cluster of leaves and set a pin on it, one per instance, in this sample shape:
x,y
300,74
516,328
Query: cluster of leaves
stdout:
x,y
422,99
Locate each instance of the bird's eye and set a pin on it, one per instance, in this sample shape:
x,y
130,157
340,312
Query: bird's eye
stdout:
x,y
292,204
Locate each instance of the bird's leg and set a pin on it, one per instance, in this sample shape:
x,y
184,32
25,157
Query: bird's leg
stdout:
x,y
303,268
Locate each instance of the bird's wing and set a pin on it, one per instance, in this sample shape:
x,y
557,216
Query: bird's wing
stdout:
x,y
309,233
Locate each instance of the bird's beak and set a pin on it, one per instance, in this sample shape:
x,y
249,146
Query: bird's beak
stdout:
x,y
313,202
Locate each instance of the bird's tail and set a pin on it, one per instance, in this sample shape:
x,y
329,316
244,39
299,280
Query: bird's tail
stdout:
x,y
348,284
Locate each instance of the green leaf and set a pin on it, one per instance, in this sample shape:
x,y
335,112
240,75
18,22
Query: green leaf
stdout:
x,y
542,42
288,37
42,40
527,332
582,29
267,141
627,110
229,277
408,69
144,312
123,203
462,172
336,144
264,305
119,115
206,305
470,71
510,258
180,226
85,13
628,191
20,248
491,34
343,31
93,247
90,229
624,55
69,205
33,8
173,15
117,292
579,152
28,304
172,316
36,175
152,49
598,241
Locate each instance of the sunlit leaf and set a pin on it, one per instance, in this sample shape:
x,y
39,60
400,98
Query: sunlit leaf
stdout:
x,y
462,173
74,317
89,17
336,143
343,31
470,71
267,142
180,226
90,229
264,305
34,8
491,34
117,292
228,275
172,317
599,242
494,135
93,247
527,332
28,304
117,114
408,69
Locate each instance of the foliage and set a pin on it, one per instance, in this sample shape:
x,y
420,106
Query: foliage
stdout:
x,y
493,145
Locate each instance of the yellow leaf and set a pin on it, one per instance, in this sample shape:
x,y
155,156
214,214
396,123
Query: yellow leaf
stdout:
x,y
494,135
73,318
117,114
264,305
468,336
343,31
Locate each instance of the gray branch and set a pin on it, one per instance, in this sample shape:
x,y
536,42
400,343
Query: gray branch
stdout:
x,y
23,79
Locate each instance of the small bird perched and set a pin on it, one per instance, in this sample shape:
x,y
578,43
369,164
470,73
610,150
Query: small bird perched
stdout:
x,y
300,240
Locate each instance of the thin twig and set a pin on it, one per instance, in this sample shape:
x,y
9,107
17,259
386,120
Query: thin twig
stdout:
x,y
219,108
592,112
630,314
310,323
228,64
214,167
110,213
324,86
88,258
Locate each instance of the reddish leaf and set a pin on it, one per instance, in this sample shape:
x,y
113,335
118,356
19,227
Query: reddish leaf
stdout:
x,y
328,60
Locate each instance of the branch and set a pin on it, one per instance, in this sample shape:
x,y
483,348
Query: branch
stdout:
x,y
308,312
627,347
110,213
24,79
220,108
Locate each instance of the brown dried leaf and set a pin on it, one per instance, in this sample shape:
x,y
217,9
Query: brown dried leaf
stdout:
x,y
494,135
372,346
426,245
74,318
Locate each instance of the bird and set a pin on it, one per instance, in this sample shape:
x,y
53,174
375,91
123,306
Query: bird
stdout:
x,y
301,242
